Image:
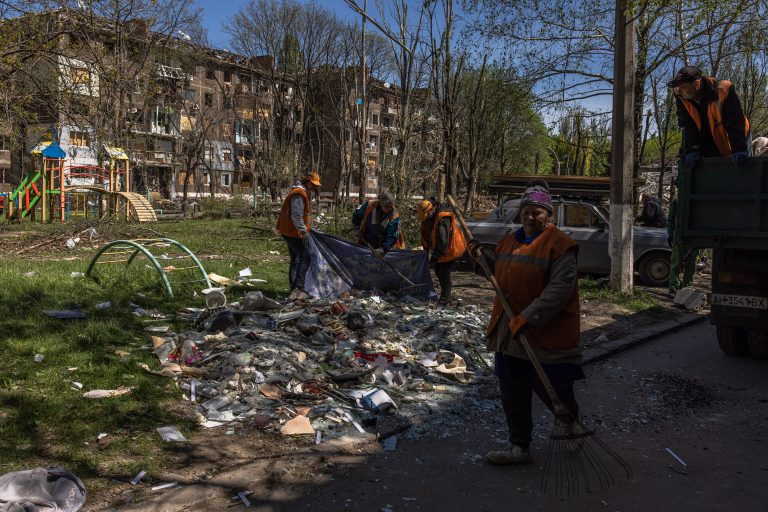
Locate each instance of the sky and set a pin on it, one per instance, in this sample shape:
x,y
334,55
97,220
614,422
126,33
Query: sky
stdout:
x,y
217,12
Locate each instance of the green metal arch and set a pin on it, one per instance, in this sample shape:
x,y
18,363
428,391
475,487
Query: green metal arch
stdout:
x,y
139,248
181,246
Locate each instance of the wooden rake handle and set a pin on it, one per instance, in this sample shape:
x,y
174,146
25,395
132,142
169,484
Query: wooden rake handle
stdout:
x,y
559,409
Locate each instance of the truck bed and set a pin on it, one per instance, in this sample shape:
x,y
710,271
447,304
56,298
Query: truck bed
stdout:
x,y
725,206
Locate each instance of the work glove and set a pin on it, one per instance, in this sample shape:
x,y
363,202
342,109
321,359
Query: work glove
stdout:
x,y
380,252
691,159
474,249
518,326
740,157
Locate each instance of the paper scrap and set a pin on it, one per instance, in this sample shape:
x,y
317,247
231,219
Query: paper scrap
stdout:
x,y
172,434
138,477
165,486
108,393
246,272
269,391
297,426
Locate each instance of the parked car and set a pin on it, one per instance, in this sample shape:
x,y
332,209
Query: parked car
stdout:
x,y
586,222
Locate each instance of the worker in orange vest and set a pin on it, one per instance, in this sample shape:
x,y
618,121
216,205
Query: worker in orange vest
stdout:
x,y
441,235
378,225
710,114
293,224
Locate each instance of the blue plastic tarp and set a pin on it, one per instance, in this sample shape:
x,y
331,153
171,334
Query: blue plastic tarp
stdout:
x,y
338,265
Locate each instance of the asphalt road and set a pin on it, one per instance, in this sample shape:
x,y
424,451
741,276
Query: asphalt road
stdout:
x,y
678,392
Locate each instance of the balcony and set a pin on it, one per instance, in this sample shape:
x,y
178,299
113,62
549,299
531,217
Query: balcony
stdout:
x,y
151,157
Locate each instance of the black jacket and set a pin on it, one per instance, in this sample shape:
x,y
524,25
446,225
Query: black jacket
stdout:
x,y
702,141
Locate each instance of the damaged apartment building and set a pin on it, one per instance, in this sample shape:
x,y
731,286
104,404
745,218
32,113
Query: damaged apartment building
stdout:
x,y
193,121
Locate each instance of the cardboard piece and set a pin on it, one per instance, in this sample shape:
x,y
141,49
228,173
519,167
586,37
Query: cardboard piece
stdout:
x,y
297,426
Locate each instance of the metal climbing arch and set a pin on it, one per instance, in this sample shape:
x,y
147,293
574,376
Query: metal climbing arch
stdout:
x,y
126,251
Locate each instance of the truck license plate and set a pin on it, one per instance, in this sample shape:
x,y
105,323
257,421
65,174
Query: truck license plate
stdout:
x,y
739,301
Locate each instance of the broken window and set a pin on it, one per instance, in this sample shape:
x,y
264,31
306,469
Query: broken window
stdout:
x,y
79,138
226,155
208,99
210,73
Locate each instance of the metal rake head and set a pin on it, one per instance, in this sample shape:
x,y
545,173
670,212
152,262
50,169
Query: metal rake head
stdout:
x,y
579,462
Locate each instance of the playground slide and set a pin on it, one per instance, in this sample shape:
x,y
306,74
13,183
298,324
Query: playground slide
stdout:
x,y
142,209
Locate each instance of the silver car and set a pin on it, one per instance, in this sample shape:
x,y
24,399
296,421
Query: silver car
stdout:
x,y
587,223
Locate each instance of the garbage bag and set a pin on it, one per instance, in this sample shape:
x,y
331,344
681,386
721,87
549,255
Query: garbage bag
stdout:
x,y
50,489
338,265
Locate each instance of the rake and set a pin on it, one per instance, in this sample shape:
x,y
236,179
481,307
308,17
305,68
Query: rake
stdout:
x,y
577,460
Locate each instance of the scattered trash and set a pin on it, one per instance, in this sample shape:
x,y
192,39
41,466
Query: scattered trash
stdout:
x,y
77,385
678,459
319,367
138,477
29,274
171,434
690,298
108,393
242,496
51,488
101,436
39,358
390,444
603,338
215,299
246,272
65,314
297,426
77,274
103,305
165,486
71,243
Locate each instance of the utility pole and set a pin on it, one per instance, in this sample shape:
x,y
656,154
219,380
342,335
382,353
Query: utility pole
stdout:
x,y
622,137
362,150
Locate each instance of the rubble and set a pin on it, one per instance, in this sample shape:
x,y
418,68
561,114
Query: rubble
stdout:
x,y
322,368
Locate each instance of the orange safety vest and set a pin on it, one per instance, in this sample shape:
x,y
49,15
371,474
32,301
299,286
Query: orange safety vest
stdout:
x,y
400,244
715,115
284,223
457,243
522,271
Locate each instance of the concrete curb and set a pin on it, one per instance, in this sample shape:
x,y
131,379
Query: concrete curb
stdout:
x,y
612,347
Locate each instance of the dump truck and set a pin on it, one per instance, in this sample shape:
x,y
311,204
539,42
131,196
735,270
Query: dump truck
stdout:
x,y
725,207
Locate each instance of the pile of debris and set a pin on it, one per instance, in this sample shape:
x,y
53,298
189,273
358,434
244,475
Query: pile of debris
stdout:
x,y
323,368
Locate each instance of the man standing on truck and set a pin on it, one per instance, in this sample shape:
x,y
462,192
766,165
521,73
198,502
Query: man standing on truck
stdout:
x,y
714,125
710,114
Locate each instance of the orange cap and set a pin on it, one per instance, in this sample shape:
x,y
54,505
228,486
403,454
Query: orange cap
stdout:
x,y
313,178
424,209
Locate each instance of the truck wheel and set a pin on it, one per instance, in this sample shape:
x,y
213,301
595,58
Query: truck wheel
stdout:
x,y
757,342
654,269
732,340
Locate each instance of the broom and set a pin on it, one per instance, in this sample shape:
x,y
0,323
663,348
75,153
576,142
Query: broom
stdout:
x,y
575,460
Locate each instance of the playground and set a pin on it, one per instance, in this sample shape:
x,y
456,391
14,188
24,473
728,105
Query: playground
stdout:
x,y
57,190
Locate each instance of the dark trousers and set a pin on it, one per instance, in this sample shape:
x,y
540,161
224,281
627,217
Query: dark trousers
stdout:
x,y
516,399
443,273
299,261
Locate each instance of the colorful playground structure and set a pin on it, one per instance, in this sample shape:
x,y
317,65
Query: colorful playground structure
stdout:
x,y
57,190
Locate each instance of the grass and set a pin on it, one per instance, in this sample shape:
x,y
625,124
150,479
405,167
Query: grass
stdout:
x,y
640,301
44,420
